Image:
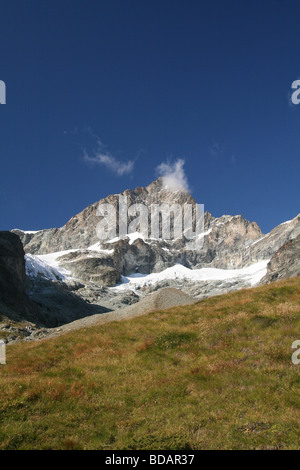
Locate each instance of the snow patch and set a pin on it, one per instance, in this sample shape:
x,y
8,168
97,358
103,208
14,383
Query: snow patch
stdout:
x,y
28,231
251,274
47,266
287,222
36,266
96,247
135,236
113,240
132,237
259,240
201,235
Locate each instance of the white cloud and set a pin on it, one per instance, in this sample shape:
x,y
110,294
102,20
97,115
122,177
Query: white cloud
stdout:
x,y
173,175
103,157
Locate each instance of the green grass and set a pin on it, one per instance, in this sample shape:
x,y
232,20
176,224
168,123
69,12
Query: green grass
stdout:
x,y
212,375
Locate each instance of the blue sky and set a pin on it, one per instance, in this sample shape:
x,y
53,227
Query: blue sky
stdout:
x,y
135,84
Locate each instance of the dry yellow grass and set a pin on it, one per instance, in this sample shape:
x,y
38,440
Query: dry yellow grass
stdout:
x,y
212,375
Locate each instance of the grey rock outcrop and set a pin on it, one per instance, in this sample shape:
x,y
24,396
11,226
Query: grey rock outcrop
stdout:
x,y
90,267
269,244
285,263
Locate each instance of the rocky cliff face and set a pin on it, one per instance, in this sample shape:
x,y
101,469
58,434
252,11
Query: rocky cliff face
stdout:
x,y
285,263
14,301
12,267
80,231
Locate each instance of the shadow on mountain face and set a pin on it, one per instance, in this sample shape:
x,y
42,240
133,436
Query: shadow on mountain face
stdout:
x,y
57,305
42,302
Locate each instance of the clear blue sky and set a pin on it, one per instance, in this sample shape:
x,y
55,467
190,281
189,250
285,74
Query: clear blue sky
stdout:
x,y
203,81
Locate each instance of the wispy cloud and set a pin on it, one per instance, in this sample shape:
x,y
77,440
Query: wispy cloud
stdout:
x,y
173,175
216,150
103,157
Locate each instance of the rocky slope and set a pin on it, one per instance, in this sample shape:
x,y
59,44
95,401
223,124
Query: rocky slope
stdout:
x,y
162,299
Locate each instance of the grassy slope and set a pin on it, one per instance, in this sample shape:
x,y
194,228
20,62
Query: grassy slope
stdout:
x,y
216,374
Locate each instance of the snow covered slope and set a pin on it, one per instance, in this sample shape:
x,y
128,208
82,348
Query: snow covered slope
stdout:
x,y
46,266
251,274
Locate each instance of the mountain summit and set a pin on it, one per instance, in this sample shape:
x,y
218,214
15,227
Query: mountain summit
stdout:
x,y
80,231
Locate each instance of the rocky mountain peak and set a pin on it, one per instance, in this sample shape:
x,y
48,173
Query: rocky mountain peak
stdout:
x,y
157,193
234,254
80,231
229,242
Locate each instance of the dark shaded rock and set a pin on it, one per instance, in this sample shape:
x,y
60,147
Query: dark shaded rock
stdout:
x,y
12,268
14,302
58,305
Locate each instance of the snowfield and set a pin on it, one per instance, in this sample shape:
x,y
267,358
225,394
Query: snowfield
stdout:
x,y
47,266
251,274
